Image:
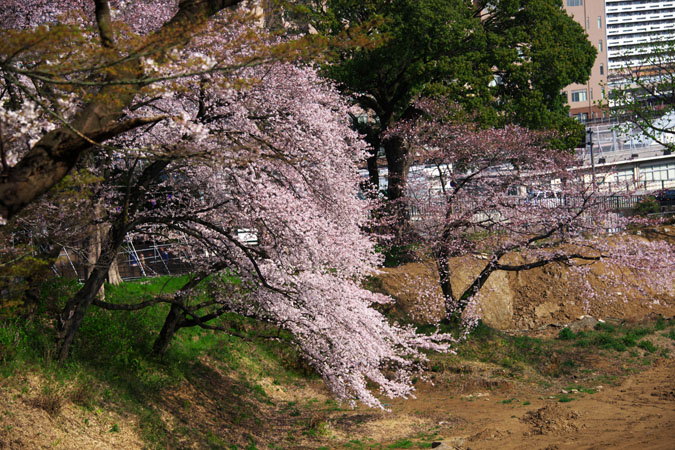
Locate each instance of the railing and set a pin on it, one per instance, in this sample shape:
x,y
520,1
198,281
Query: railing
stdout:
x,y
135,260
608,210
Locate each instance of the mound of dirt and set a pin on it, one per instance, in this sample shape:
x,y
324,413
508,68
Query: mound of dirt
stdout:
x,y
524,300
417,293
552,419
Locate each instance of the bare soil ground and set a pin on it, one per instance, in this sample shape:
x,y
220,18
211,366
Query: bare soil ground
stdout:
x,y
473,405
638,413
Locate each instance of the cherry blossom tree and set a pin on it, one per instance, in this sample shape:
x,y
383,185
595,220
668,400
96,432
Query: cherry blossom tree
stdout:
x,y
198,128
277,157
62,219
470,196
69,70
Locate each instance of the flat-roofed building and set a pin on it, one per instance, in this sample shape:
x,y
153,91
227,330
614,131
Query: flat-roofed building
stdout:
x,y
584,98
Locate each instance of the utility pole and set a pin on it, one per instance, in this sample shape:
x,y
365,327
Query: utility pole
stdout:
x,y
589,142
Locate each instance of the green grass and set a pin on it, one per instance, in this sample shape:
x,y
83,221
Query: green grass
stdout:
x,y
523,356
647,346
614,337
111,366
489,345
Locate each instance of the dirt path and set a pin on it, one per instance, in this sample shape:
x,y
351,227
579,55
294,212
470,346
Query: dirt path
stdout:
x,y
639,413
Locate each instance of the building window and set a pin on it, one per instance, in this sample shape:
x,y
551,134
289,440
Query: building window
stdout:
x,y
658,172
591,93
579,96
602,68
600,45
624,175
588,23
599,23
574,2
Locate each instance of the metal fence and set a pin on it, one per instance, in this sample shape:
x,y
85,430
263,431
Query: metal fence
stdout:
x,y
135,260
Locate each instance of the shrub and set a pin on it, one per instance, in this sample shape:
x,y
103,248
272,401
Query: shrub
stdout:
x,y
647,346
647,205
566,334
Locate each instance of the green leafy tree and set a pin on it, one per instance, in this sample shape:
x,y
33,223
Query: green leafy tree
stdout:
x,y
408,46
536,50
505,61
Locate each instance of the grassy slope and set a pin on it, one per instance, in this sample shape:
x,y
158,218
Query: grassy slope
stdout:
x,y
111,368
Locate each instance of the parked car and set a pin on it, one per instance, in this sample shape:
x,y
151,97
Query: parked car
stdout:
x,y
666,197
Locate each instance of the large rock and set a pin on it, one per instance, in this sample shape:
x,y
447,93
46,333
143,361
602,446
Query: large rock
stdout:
x,y
419,297
496,298
584,323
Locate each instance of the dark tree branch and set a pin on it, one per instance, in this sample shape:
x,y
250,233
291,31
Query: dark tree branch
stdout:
x,y
52,157
105,31
546,261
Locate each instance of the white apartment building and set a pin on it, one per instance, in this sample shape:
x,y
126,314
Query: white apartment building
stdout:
x,y
622,32
632,26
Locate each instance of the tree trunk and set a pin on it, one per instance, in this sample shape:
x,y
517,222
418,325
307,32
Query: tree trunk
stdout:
x,y
96,235
475,287
174,320
114,276
398,163
75,309
171,325
441,256
372,137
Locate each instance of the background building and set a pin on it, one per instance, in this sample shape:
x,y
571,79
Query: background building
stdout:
x,y
622,31
583,98
632,26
